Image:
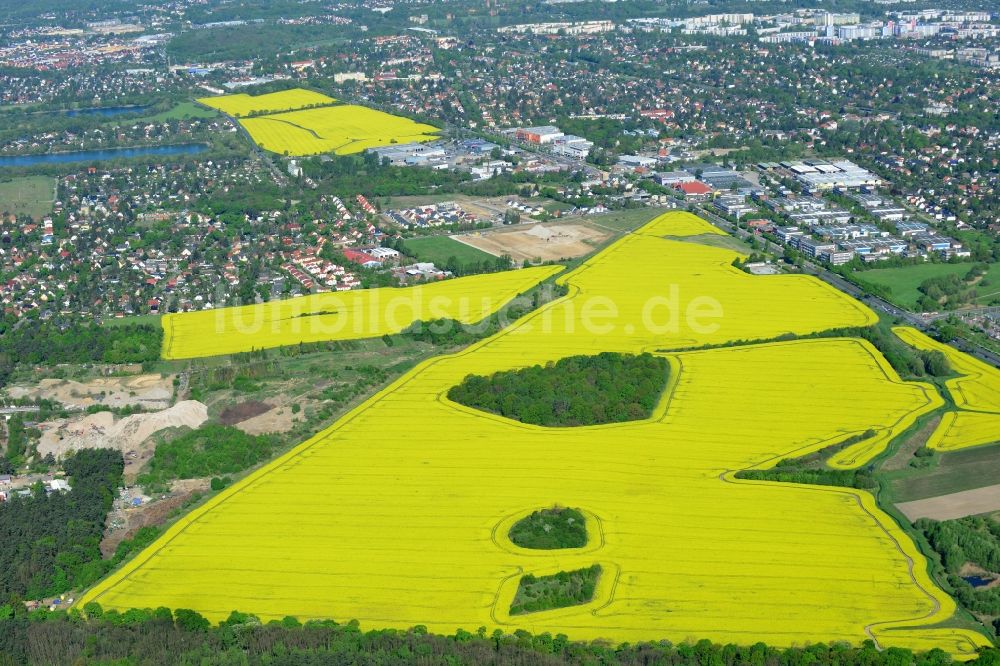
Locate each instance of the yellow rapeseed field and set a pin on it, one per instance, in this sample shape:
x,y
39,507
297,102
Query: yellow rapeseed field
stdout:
x,y
310,125
976,394
397,514
345,315
342,129
286,100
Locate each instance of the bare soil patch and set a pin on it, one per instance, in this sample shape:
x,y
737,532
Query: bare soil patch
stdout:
x,y
276,420
147,391
954,505
538,241
129,435
239,413
130,519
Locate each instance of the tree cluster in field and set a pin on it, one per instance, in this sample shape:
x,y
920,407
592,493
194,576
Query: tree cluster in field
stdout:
x,y
975,540
50,542
162,637
573,391
566,588
210,450
548,529
30,341
948,292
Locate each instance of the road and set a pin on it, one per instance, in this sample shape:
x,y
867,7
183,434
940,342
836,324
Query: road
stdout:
x,y
279,176
7,411
918,321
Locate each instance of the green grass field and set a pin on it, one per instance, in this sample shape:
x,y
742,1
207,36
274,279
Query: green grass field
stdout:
x,y
724,242
182,111
955,472
553,206
438,249
904,281
624,220
31,195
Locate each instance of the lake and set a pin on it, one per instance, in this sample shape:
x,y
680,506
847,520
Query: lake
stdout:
x,y
977,581
99,155
105,111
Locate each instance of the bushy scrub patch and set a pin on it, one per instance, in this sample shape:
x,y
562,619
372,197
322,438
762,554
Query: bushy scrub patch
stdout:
x,y
208,451
566,588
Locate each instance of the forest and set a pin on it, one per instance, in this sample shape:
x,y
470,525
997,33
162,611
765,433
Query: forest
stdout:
x,y
974,540
574,391
161,638
75,342
51,541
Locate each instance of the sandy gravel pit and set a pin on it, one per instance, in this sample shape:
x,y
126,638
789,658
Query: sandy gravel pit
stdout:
x,y
537,241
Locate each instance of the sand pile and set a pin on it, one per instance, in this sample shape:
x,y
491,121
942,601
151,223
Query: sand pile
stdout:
x,y
104,431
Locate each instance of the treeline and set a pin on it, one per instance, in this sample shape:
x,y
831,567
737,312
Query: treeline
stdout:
x,y
30,341
444,332
164,638
811,468
971,540
606,133
577,390
843,478
908,362
212,450
492,265
49,543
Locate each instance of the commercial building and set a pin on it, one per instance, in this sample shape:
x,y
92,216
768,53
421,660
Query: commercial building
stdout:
x,y
539,135
570,145
822,175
